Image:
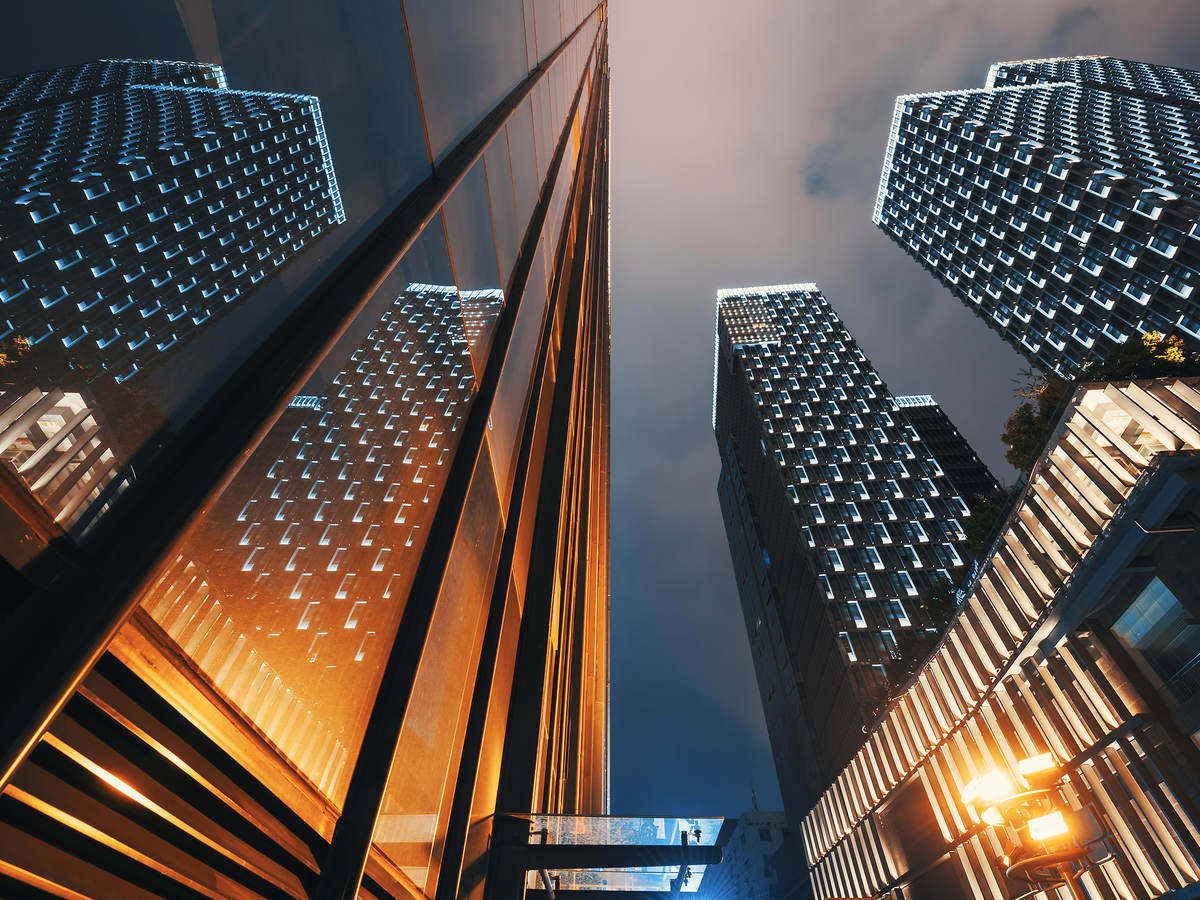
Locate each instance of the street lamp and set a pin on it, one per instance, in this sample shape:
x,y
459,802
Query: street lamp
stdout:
x,y
1048,842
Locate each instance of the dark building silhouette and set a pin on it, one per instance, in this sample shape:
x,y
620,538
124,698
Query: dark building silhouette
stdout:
x,y
838,518
962,465
343,632
1059,202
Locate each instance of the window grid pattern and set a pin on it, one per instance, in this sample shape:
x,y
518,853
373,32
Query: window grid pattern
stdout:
x,y
880,518
962,465
989,696
135,214
1065,215
322,530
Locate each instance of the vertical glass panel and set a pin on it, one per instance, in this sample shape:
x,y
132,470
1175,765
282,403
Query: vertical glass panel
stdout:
x,y
504,213
541,130
288,593
504,424
469,54
412,821
526,181
473,254
531,56
549,26
169,215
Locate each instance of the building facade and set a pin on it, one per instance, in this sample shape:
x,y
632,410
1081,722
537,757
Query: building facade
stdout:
x,y
141,199
838,518
347,621
970,476
1059,202
759,860
59,447
1064,692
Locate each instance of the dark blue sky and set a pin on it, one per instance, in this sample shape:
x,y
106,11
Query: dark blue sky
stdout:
x,y
746,149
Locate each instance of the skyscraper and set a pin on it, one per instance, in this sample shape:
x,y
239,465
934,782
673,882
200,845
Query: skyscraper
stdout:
x,y
838,518
971,478
349,620
1059,202
1047,746
140,199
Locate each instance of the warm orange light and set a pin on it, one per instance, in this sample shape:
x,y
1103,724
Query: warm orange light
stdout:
x,y
992,816
990,787
1049,826
1037,765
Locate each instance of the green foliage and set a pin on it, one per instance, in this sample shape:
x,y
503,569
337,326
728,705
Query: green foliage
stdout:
x,y
1031,424
1154,356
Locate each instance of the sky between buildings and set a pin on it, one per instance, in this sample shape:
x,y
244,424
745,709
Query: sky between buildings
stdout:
x,y
746,146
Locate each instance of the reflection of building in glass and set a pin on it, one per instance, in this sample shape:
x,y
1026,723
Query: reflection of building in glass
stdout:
x,y
1059,202
838,518
1069,670
375,637
972,479
59,447
140,199
760,860
312,541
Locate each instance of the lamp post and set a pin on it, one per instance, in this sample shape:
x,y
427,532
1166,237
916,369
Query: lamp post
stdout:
x,y
1048,844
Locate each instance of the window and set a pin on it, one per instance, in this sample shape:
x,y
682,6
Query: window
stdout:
x,y
861,585
824,582
833,559
855,614
900,613
847,646
1158,628
871,558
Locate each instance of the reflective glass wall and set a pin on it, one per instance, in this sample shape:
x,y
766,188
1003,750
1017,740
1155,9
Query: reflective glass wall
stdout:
x,y
303,424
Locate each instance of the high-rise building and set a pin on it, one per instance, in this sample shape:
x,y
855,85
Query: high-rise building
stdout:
x,y
760,860
344,632
140,199
971,478
1059,203
838,518
1048,745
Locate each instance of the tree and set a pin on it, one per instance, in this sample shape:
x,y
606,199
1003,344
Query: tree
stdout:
x,y
1030,425
979,525
1154,356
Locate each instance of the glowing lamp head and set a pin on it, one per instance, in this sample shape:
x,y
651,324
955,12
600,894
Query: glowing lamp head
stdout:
x,y
993,816
990,787
1042,764
1048,827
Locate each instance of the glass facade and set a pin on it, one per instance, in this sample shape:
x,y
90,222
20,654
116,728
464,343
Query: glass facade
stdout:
x,y
1059,202
853,517
326,453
